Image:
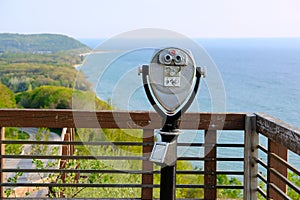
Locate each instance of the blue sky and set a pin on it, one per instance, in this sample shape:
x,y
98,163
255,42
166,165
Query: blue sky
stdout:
x,y
193,18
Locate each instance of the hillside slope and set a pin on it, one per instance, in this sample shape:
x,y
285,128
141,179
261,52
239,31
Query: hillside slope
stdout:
x,y
30,61
54,97
38,43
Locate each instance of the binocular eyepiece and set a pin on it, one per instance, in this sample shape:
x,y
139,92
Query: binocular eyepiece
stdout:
x,y
168,59
173,57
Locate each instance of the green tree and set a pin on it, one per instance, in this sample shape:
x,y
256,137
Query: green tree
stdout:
x,y
14,134
7,98
54,97
20,77
223,179
294,178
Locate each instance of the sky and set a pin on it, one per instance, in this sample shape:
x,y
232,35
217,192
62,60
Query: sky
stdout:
x,y
193,18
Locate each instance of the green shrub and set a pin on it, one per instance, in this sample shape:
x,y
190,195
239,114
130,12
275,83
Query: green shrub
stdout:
x,y
55,97
7,98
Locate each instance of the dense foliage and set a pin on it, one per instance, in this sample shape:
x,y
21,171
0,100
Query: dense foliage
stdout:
x,y
14,134
7,98
294,178
53,97
20,77
38,43
30,61
65,58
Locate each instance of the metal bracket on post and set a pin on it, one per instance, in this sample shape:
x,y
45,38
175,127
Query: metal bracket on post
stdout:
x,y
250,155
164,153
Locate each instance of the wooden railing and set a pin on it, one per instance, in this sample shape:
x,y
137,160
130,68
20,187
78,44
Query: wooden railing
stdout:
x,y
270,185
281,139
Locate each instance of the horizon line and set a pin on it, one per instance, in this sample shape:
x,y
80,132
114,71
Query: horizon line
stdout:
x,y
194,37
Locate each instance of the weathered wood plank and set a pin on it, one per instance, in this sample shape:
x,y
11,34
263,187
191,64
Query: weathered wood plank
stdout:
x,y
282,152
2,151
116,119
250,155
147,179
210,165
279,132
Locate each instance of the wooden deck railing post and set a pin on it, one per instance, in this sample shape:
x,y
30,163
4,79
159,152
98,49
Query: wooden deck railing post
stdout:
x,y
282,152
147,179
210,165
71,131
250,154
2,151
65,149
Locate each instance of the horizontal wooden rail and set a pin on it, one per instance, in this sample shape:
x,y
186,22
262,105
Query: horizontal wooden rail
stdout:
x,y
279,132
113,185
83,171
79,143
286,164
261,192
285,180
276,178
75,157
116,119
260,176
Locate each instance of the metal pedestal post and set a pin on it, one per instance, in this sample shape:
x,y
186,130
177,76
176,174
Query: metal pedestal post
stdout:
x,y
168,173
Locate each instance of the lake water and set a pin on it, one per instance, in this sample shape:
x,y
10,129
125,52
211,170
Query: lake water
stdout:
x,y
258,75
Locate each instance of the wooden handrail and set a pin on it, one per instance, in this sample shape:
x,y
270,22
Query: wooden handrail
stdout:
x,y
57,118
281,138
279,132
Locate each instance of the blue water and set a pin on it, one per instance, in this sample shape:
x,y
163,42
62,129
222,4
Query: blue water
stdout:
x,y
259,75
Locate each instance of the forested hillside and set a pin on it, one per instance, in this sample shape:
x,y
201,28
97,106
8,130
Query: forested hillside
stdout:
x,y
38,43
30,61
20,77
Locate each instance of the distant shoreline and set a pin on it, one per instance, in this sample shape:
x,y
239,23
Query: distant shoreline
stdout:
x,y
89,53
95,52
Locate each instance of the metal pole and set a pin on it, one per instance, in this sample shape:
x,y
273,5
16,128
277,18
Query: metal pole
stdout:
x,y
168,175
167,182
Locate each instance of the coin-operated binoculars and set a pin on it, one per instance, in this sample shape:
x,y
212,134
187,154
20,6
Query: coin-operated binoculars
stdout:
x,y
171,82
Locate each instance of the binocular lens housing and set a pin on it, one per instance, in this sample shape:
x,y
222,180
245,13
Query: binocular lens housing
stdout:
x,y
178,59
168,59
173,56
